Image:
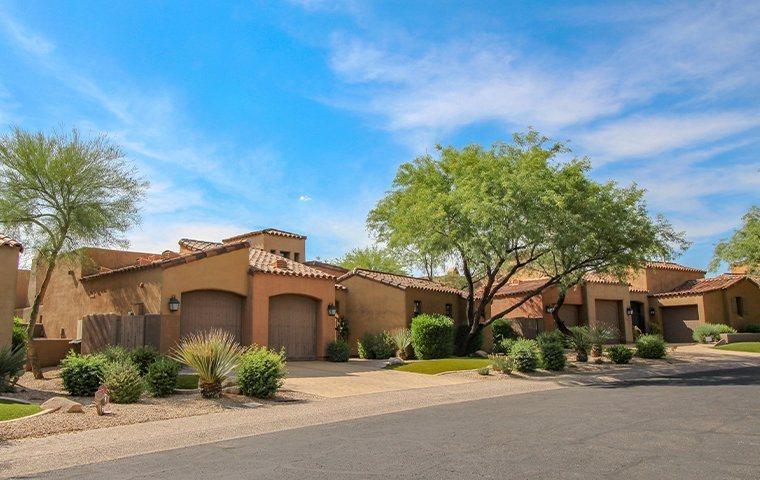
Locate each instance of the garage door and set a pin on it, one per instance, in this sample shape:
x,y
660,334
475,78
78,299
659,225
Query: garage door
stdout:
x,y
570,314
608,315
293,325
678,323
206,309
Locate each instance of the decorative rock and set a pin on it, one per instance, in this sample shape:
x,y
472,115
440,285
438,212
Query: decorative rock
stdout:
x,y
481,354
395,361
233,390
252,404
63,405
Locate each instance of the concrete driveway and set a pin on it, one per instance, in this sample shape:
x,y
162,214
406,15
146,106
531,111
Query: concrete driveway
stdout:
x,y
357,377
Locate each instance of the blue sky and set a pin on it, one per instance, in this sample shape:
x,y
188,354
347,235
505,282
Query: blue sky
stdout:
x,y
296,114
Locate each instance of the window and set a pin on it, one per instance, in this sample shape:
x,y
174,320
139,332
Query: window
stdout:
x,y
285,254
449,310
296,256
417,307
739,306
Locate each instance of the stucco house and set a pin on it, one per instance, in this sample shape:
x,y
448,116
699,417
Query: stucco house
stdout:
x,y
10,250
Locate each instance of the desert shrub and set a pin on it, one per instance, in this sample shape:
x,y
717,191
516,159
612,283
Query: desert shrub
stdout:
x,y
402,339
337,351
432,336
502,329
142,357
123,382
620,353
710,330
484,371
552,355
260,372
750,328
12,360
214,354
580,342
376,345
115,354
19,338
599,336
82,374
650,346
161,379
524,355
461,332
501,363
553,336
505,346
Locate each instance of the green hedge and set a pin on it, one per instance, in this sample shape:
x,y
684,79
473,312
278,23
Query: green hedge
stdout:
x,y
552,355
337,351
432,336
82,374
123,382
376,345
524,354
260,372
161,380
619,353
650,346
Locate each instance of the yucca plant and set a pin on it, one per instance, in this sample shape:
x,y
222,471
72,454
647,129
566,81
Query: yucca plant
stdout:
x,y
12,362
214,354
581,342
402,338
598,336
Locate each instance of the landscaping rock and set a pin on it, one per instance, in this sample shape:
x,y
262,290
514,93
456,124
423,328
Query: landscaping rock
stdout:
x,y
232,390
481,354
252,404
63,405
395,361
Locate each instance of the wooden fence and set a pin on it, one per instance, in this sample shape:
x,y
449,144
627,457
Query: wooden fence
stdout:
x,y
129,331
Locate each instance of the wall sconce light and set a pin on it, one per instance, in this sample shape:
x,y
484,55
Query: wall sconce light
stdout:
x,y
417,307
173,304
331,310
550,308
629,311
652,312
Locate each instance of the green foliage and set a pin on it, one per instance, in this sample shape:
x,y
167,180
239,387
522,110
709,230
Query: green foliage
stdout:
x,y
713,330
750,328
553,336
502,329
20,336
123,382
502,363
161,379
580,341
485,371
552,355
619,353
373,258
214,354
460,334
337,351
402,339
12,360
376,345
650,346
143,356
524,355
505,346
599,336
82,374
342,328
261,372
743,248
115,354
432,336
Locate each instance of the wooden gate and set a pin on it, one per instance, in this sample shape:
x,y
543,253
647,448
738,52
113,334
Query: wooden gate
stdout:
x,y
293,325
206,309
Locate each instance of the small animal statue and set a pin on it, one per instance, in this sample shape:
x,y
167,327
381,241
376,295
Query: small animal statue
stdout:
x,y
101,400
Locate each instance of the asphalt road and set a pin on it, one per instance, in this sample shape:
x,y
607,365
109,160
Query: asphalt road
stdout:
x,y
691,427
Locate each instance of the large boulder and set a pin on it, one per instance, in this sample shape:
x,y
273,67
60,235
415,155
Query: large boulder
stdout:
x,y
395,361
63,405
481,354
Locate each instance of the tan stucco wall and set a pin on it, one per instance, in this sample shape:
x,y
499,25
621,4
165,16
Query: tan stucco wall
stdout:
x,y
750,294
435,303
277,243
657,280
8,267
659,302
22,288
372,307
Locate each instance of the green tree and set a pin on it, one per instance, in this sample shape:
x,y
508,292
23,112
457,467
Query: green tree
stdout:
x,y
61,192
373,258
515,208
743,248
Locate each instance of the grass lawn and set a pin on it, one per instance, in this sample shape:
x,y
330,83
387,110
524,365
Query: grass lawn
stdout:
x,y
753,347
440,365
10,410
187,382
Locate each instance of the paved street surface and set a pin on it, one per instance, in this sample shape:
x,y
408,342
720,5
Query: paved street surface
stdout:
x,y
690,426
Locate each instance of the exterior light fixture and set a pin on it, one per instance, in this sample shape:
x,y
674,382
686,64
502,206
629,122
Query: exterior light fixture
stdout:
x,y
629,311
652,312
417,307
173,304
550,308
331,310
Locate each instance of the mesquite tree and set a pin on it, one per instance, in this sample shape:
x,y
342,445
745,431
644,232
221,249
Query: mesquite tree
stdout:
x,y
743,248
61,192
515,208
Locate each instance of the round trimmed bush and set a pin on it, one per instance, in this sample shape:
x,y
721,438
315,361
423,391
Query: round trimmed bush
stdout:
x,y
161,380
142,357
524,355
461,333
123,382
260,372
650,346
552,356
337,351
620,353
432,336
82,374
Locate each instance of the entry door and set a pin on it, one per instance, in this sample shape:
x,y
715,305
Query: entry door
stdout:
x,y
293,325
638,316
206,309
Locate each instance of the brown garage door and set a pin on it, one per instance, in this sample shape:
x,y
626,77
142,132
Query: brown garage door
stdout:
x,y
678,323
608,315
293,325
206,309
570,314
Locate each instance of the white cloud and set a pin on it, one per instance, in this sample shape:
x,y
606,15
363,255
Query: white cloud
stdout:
x,y
304,198
155,236
29,41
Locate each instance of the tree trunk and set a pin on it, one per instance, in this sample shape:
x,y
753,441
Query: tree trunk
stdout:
x,y
555,315
31,348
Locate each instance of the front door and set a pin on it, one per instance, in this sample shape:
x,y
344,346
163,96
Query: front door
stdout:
x,y
638,316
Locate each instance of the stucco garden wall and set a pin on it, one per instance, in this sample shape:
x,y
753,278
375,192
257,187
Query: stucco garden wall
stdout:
x,y
8,266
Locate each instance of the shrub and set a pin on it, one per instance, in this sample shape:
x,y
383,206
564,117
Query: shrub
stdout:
x,y
710,330
12,360
552,356
123,382
581,342
376,345
750,328
260,372
505,346
214,354
502,329
598,336
553,336
620,353
161,380
432,336
115,354
650,346
337,351
501,363
19,334
82,374
402,339
461,333
524,355
484,371
142,357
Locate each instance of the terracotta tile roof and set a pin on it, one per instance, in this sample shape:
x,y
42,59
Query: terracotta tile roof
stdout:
x,y
266,262
9,242
602,278
400,281
317,264
638,290
167,261
268,231
338,286
705,285
521,287
673,266
197,245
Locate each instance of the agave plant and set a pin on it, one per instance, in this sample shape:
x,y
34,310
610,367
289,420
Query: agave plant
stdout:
x,y
598,336
214,354
402,338
12,362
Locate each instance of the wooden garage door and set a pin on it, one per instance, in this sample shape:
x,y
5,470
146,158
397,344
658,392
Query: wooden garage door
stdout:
x,y
570,314
293,325
206,309
608,315
678,323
